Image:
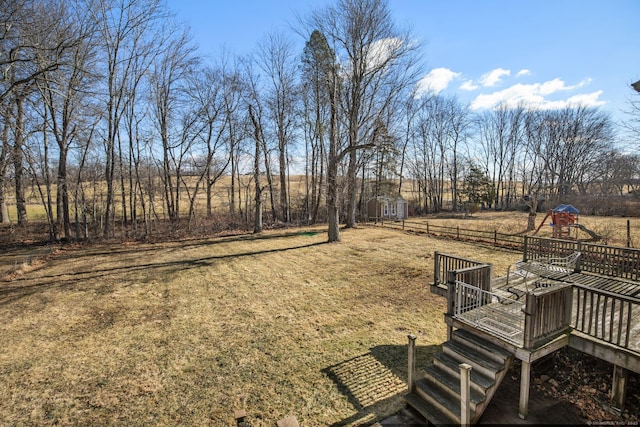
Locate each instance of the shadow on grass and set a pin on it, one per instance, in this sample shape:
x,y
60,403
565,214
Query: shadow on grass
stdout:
x,y
188,243
22,287
375,382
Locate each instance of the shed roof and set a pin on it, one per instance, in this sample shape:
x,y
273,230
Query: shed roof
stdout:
x,y
390,198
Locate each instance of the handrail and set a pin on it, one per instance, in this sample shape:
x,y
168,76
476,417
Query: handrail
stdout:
x,y
443,263
614,261
473,305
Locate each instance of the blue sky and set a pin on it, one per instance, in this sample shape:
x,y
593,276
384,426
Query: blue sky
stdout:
x,y
547,52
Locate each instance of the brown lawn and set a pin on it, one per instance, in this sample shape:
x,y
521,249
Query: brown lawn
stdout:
x,y
183,333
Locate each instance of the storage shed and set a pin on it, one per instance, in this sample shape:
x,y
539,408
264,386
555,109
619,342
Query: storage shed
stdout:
x,y
388,207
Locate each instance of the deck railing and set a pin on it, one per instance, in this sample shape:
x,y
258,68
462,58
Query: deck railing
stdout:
x,y
614,261
605,315
443,263
483,310
547,315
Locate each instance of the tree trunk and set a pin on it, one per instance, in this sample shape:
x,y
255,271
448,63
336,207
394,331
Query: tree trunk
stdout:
x,y
332,167
533,208
21,203
63,193
257,132
284,202
352,189
332,196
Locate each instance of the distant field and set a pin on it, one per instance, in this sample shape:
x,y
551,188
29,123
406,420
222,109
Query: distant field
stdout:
x,y
183,333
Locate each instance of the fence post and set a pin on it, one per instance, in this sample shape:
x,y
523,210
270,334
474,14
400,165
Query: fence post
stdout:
x,y
427,227
495,237
525,251
465,394
458,232
411,372
628,233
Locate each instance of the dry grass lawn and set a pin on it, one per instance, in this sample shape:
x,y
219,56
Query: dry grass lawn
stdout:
x,y
183,333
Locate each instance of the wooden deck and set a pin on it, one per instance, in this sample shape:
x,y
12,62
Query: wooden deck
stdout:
x,y
595,309
591,302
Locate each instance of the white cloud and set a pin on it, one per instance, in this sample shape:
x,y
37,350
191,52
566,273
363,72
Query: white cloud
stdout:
x,y
523,72
382,50
493,77
536,96
468,85
435,81
589,99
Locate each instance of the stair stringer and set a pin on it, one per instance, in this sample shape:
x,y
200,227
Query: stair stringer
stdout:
x,y
491,392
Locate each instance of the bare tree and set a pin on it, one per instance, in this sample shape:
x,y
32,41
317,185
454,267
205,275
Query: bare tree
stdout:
x,y
562,147
127,28
276,59
66,93
232,99
377,61
206,92
254,99
500,138
33,41
258,136
168,89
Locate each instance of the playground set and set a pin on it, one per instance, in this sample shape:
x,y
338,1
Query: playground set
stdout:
x,y
564,222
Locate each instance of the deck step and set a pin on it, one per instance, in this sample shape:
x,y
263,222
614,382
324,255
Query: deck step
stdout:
x,y
428,410
446,404
482,345
478,380
466,354
437,376
437,395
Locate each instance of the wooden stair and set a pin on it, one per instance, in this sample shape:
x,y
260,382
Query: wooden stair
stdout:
x,y
437,394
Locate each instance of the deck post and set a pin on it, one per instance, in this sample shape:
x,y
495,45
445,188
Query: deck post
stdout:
x,y
451,299
411,372
436,268
465,394
619,387
525,379
529,312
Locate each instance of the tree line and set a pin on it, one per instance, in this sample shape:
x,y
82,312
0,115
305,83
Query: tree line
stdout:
x,y
107,109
